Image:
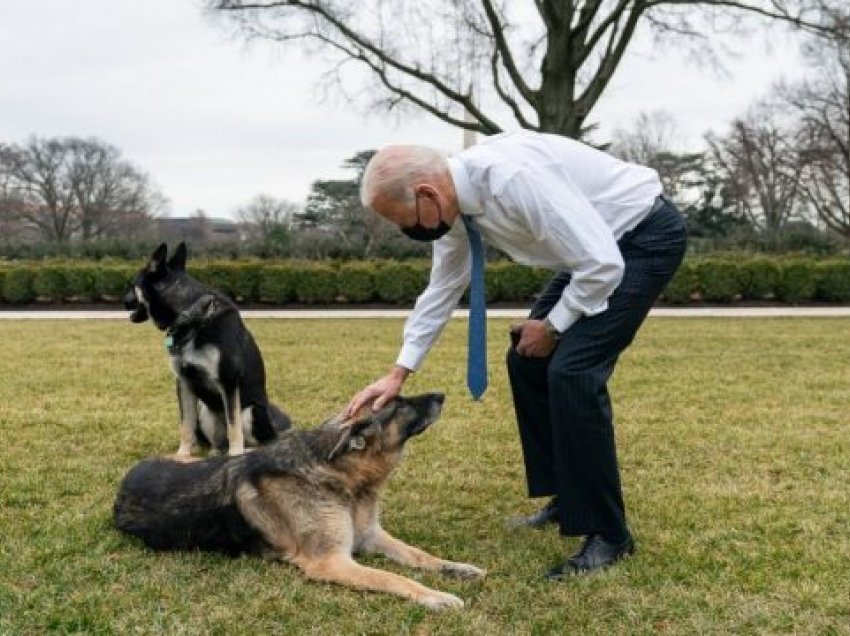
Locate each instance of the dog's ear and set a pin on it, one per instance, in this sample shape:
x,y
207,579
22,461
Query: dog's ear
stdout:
x,y
350,437
177,263
157,261
353,431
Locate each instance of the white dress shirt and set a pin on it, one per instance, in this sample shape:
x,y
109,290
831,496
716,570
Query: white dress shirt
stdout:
x,y
546,201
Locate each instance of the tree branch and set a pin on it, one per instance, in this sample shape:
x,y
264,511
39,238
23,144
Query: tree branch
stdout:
x,y
365,44
506,55
609,63
779,14
486,127
612,18
515,109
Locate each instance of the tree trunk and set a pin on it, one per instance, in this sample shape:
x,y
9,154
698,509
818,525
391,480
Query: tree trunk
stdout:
x,y
557,111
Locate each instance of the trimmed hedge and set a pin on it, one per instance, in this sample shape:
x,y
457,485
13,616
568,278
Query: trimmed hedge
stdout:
x,y
399,282
316,284
759,278
715,280
17,285
111,280
797,281
718,280
356,282
833,278
684,287
48,283
277,283
80,282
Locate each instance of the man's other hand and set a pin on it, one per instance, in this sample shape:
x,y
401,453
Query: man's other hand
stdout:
x,y
534,341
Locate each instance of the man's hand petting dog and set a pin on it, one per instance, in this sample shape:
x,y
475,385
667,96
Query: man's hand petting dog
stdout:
x,y
379,392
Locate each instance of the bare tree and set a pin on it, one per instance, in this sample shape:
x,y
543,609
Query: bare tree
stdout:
x,y
265,213
763,162
38,175
650,134
653,141
544,64
10,205
69,187
110,193
334,210
822,102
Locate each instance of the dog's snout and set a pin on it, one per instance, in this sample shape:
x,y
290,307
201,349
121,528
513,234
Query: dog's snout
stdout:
x,y
131,301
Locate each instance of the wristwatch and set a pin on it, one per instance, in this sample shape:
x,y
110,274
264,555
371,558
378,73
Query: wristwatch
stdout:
x,y
551,331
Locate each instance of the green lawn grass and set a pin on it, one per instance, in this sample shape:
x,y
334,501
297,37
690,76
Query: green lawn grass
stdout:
x,y
734,443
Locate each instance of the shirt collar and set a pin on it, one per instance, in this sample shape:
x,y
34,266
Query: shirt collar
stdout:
x,y
467,200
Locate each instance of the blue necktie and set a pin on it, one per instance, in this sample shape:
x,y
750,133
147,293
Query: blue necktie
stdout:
x,y
476,370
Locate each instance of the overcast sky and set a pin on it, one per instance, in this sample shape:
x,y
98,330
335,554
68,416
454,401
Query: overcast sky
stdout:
x,y
215,122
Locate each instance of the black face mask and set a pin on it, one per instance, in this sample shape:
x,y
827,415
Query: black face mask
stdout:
x,y
426,234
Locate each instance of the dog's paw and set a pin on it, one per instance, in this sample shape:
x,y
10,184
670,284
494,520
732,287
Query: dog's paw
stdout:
x,y
435,600
463,571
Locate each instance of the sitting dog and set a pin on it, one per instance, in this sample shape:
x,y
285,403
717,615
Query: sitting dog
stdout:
x,y
310,498
221,380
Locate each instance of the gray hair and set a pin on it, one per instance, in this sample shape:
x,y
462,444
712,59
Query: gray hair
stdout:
x,y
394,170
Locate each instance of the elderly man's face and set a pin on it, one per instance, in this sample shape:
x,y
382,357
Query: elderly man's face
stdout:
x,y
395,211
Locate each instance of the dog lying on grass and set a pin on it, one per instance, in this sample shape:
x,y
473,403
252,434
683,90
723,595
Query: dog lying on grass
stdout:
x,y
311,498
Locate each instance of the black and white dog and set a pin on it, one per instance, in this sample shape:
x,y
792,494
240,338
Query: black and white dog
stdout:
x,y
221,379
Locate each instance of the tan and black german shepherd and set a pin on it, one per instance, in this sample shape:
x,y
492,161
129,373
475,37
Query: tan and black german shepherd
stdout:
x,y
310,498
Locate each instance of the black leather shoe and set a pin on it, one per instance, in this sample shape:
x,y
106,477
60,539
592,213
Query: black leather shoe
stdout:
x,y
595,554
546,515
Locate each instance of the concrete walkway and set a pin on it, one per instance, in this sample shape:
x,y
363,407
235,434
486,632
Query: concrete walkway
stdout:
x,y
666,312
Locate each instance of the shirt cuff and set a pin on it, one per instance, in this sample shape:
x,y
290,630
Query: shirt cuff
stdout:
x,y
563,317
411,357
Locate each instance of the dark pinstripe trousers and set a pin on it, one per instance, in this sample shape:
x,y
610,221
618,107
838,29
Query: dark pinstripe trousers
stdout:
x,y
562,405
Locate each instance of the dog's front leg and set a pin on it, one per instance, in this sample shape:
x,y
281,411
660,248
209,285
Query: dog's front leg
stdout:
x,y
188,417
384,543
342,569
233,416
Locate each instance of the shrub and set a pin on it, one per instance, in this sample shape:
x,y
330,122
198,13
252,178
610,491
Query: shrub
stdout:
x,y
80,282
356,282
111,281
277,283
833,280
316,283
759,278
48,282
244,280
400,282
512,282
684,286
719,280
17,286
797,281
215,274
